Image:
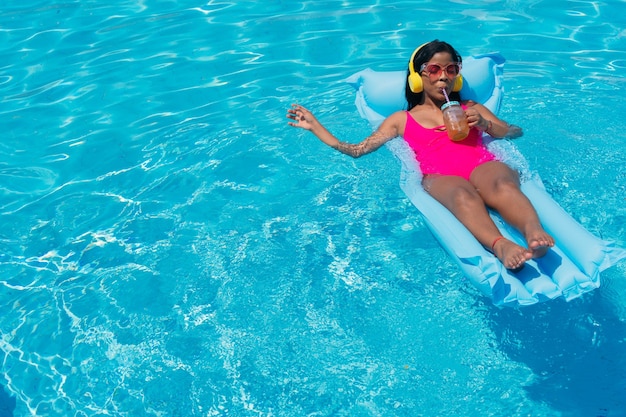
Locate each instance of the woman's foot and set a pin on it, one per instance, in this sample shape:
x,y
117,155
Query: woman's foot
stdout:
x,y
512,255
539,242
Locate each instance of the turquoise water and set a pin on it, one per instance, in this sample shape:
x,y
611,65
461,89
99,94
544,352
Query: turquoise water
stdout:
x,y
171,248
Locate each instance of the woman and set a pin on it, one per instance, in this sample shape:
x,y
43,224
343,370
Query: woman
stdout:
x,y
463,176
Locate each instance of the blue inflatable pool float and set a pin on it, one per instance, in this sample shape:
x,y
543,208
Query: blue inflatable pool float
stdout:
x,y
569,270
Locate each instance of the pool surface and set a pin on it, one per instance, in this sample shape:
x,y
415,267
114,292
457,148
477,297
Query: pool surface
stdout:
x,y
170,247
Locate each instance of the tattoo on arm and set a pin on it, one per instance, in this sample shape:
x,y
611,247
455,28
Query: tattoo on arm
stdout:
x,y
370,144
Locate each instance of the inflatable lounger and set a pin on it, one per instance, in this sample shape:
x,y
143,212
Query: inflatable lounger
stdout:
x,y
570,269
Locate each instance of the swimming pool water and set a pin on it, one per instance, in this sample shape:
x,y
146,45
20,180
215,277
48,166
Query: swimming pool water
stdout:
x,y
171,248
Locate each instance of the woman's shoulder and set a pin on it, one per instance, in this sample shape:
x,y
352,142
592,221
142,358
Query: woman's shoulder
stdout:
x,y
397,117
393,125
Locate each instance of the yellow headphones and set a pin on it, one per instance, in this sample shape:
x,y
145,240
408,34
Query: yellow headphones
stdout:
x,y
415,79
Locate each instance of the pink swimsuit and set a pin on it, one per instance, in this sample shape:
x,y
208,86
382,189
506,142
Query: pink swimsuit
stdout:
x,y
437,154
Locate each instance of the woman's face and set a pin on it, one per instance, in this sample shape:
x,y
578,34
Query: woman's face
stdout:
x,y
438,74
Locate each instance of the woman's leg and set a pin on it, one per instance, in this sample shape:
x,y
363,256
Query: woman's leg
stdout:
x,y
467,205
498,186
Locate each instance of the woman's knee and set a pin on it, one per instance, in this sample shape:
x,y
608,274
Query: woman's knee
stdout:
x,y
506,185
495,175
465,197
498,182
452,192
502,191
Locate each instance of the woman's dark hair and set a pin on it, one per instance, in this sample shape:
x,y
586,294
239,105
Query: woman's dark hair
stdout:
x,y
424,55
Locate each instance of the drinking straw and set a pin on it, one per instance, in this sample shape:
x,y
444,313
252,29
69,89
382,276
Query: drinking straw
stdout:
x,y
445,94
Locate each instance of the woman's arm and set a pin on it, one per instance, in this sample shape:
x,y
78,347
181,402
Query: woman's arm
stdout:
x,y
482,118
304,119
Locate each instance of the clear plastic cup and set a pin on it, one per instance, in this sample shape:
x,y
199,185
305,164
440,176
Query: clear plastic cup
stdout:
x,y
455,120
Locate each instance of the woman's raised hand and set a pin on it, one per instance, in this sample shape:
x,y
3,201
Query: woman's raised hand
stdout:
x,y
301,117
